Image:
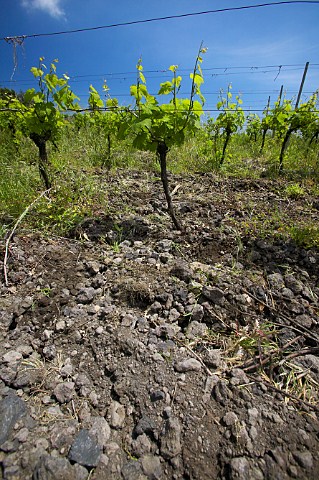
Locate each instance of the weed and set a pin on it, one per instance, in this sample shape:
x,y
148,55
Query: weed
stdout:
x,y
294,379
45,291
4,228
252,340
294,191
116,247
119,234
305,235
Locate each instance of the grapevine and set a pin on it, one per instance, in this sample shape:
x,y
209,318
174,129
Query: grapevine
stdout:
x,y
157,127
39,115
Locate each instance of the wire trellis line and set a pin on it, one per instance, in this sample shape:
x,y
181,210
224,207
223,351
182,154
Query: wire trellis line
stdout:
x,y
21,38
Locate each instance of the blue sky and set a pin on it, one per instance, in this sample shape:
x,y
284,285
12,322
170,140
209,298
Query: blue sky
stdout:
x,y
237,42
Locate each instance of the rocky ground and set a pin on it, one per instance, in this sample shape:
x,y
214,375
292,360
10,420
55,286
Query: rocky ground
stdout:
x,y
130,351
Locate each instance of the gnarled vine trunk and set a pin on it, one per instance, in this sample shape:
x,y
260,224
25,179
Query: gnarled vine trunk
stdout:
x,y
284,148
41,142
228,134
161,151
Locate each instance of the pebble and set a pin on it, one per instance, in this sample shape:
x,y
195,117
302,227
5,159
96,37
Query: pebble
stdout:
x,y
133,471
55,411
46,335
82,380
276,281
151,466
240,470
182,271
144,425
49,352
213,358
141,445
173,315
85,450
154,417
304,320
157,357
117,415
60,326
62,438
12,408
243,299
304,459
12,357
64,392
157,395
164,245
26,350
238,377
22,435
253,415
188,365
295,285
100,429
93,267
230,419
196,329
170,439
66,370
214,295
197,313
86,295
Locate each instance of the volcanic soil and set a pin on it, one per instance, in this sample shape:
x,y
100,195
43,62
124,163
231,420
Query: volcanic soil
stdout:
x,y
130,350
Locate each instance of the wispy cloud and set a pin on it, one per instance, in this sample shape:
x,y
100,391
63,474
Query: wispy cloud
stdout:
x,y
52,7
262,50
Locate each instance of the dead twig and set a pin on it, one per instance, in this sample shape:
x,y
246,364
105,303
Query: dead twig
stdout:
x,y
251,365
306,332
286,394
196,356
23,214
305,351
175,189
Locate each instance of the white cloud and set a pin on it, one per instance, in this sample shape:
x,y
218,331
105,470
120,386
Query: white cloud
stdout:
x,y
52,7
260,52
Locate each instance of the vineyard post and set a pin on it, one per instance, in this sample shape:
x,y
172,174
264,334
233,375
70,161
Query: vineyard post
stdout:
x,y
279,102
280,94
302,84
265,128
290,130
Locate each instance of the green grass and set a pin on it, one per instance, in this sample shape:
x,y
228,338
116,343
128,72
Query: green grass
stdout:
x,y
80,186
305,235
19,179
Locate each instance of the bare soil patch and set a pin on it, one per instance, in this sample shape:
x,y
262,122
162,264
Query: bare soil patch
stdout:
x,y
131,351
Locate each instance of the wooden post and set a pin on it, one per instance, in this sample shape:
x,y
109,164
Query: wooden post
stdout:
x,y
280,94
290,131
302,84
265,129
279,102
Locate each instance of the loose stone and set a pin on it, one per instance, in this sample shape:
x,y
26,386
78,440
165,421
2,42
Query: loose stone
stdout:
x,y
117,415
12,408
85,450
188,365
64,392
100,430
171,438
214,295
